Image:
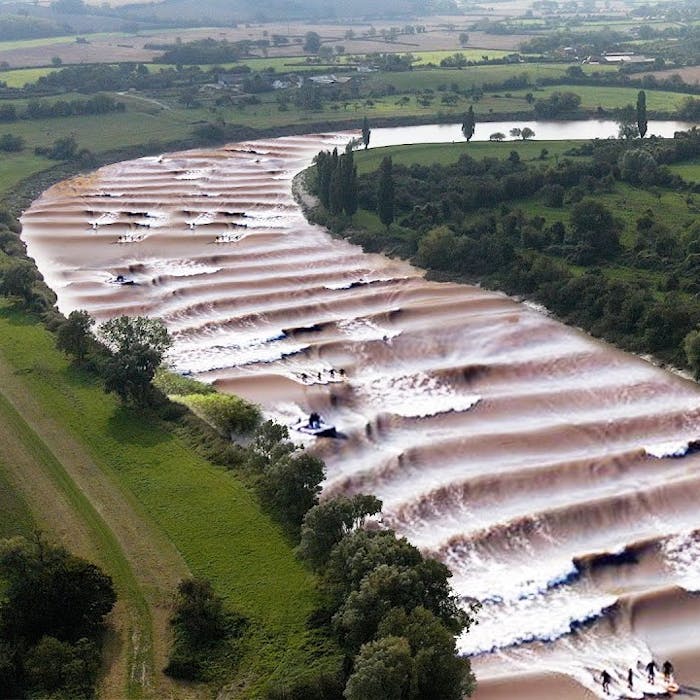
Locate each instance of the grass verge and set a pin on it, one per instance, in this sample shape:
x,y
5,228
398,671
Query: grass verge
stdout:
x,y
210,517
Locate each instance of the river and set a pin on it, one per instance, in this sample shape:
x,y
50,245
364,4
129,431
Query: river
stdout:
x,y
544,131
550,471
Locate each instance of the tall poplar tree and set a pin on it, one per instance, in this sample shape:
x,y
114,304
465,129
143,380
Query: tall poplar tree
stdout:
x,y
349,178
366,131
469,124
642,113
385,192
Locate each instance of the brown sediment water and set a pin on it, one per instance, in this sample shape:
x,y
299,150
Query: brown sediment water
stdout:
x,y
554,474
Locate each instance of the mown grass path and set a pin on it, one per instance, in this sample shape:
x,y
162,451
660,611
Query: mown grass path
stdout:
x,y
73,499
165,511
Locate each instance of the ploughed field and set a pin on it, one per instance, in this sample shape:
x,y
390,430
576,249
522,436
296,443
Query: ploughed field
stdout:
x,y
554,475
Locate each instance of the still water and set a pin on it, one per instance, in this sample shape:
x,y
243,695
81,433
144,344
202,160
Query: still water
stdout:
x,y
544,130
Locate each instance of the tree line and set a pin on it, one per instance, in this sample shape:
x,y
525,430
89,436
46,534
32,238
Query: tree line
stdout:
x,y
465,220
35,109
394,618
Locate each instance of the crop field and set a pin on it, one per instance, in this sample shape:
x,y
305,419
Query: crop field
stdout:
x,y
182,505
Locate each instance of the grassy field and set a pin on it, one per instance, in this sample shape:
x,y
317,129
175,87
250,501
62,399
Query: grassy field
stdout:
x,y
612,97
445,153
20,77
209,517
15,515
689,171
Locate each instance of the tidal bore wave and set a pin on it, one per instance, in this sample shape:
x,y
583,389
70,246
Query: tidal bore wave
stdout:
x,y
552,473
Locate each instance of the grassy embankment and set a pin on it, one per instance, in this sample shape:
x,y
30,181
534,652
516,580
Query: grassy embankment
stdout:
x,y
85,453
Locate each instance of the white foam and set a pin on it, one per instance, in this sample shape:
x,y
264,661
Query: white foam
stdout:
x,y
668,449
545,617
363,329
415,396
179,268
682,557
108,217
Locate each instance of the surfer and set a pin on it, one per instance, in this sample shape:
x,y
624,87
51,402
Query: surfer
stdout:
x,y
651,671
668,670
630,679
606,678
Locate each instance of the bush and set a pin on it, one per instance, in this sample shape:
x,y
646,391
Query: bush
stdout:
x,y
203,629
230,415
172,384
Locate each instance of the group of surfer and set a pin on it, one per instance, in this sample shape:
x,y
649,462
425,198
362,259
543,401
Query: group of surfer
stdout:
x,y
332,373
650,669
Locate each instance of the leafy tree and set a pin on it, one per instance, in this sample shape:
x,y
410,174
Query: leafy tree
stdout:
x,y
202,629
327,523
497,136
138,346
527,133
436,248
312,42
594,228
366,132
437,670
638,166
270,444
290,487
463,39
10,143
642,113
382,671
74,336
469,124
65,148
49,592
18,279
59,669
360,552
515,132
199,613
691,345
385,192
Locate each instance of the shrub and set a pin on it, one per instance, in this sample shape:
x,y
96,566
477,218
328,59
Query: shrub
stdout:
x,y
230,415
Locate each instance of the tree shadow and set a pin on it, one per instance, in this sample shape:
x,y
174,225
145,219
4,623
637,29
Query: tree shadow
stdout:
x,y
17,315
135,426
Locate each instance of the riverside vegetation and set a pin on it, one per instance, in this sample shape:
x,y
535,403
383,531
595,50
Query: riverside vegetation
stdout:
x,y
384,619
604,234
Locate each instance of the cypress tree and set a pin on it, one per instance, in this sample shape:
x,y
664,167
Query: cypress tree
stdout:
x,y
323,176
366,131
349,177
642,113
469,124
335,203
385,193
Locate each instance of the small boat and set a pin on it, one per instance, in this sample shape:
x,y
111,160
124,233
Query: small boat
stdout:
x,y
316,426
120,279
